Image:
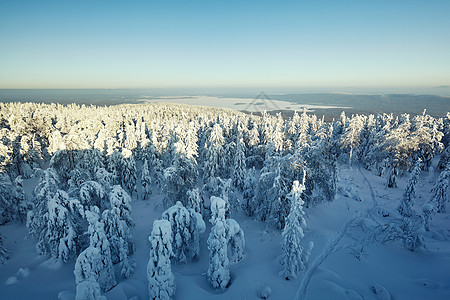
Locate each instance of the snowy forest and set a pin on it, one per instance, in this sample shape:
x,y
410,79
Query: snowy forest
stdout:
x,y
170,201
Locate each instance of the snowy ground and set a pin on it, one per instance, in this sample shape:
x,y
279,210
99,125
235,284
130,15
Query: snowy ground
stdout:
x,y
348,273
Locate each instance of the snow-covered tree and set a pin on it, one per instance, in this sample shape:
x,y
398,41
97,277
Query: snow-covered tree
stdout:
x,y
439,192
20,199
445,159
239,166
279,205
218,272
87,271
8,209
195,200
120,199
294,256
187,225
212,152
428,212
178,179
120,238
146,181
4,255
223,232
351,136
128,171
235,237
249,191
161,282
105,178
62,232
98,239
38,217
92,193
409,194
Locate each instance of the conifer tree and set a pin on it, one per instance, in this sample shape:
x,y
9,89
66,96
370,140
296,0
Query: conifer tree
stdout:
x,y
187,225
407,202
294,256
218,272
239,166
97,239
248,193
440,191
87,271
61,235
161,282
146,181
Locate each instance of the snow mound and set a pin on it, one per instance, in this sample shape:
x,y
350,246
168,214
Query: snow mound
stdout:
x,y
11,280
23,273
349,192
66,295
264,292
52,264
381,293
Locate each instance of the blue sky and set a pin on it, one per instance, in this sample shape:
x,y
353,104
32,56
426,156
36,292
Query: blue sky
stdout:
x,y
151,44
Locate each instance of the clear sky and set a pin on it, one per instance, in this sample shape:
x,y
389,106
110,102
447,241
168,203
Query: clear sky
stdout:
x,y
148,44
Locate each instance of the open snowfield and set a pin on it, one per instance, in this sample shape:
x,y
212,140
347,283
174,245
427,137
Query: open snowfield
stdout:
x,y
355,270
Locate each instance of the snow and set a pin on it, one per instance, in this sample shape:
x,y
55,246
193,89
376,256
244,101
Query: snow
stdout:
x,y
237,103
382,271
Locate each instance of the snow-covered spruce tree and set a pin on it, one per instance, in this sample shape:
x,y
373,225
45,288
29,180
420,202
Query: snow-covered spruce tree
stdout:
x,y
92,193
120,238
187,225
261,204
445,158
279,205
321,162
63,162
239,166
249,191
90,160
105,178
128,171
427,138
87,271
4,255
428,212
161,282
8,209
294,256
195,200
212,150
38,217
350,138
120,199
114,163
401,146
227,158
180,176
235,237
218,272
440,191
97,238
20,199
146,181
407,202
62,232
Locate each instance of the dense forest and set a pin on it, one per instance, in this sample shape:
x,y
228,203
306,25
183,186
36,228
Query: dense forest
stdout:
x,y
209,164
